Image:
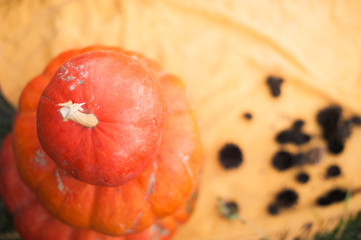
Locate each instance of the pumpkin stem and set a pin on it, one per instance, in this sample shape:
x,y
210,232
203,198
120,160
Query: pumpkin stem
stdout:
x,y
74,111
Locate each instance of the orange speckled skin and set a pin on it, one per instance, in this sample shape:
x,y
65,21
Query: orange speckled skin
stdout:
x,y
33,222
159,191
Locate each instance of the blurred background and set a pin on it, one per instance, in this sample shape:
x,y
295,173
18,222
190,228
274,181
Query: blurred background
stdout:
x,y
224,51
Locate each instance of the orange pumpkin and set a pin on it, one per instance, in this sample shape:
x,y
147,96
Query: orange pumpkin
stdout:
x,y
166,179
115,109
33,222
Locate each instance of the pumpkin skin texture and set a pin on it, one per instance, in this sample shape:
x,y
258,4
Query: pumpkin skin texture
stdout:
x,y
161,189
127,101
33,222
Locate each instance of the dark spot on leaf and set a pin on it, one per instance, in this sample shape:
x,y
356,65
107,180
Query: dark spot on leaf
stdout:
x,y
294,134
228,209
286,198
356,120
230,156
333,196
302,177
299,159
328,118
344,130
274,84
335,145
273,209
282,160
298,124
247,116
333,171
335,131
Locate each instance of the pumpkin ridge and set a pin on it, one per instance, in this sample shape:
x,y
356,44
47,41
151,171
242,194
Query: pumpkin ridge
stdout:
x,y
36,189
15,211
195,151
65,189
50,175
92,215
146,207
155,210
175,92
152,180
166,181
27,206
150,207
32,185
130,229
196,156
92,223
99,200
48,221
148,188
187,167
44,220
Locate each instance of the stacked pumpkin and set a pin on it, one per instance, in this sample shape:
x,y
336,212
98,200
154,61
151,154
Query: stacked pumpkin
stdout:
x,y
107,142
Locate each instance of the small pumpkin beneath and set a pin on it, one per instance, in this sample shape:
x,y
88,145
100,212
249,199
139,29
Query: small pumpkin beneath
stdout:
x,y
137,163
22,203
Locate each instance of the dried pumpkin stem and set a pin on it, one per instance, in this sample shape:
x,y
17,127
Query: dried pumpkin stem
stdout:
x,y
74,111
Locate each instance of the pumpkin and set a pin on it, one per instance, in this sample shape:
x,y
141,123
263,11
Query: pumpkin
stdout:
x,y
119,135
34,222
167,175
